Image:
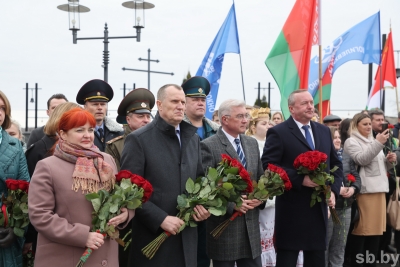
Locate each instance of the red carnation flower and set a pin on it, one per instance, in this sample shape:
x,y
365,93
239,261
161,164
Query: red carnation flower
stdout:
x,y
351,178
123,174
148,190
23,185
390,126
12,184
226,158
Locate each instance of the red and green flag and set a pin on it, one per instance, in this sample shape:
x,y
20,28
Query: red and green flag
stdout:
x,y
289,59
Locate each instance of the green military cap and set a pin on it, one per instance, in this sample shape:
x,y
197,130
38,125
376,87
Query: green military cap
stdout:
x,y
139,101
95,91
196,86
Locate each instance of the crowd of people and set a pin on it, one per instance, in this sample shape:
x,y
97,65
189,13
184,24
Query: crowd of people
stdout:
x,y
80,150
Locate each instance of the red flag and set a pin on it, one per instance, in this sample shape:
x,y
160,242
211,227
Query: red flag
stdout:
x,y
289,59
388,77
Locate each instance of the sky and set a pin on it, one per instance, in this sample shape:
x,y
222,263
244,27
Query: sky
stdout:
x,y
37,48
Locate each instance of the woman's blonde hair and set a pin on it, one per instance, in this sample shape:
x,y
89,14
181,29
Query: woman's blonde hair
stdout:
x,y
355,121
51,126
257,114
333,130
279,113
7,117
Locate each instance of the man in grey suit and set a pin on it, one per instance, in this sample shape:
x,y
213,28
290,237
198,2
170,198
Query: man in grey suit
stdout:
x,y
166,152
240,242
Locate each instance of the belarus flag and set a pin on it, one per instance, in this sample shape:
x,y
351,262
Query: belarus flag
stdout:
x,y
385,75
289,59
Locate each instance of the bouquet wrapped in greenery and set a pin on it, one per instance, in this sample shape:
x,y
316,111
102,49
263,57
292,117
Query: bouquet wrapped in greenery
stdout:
x,y
213,191
313,164
14,208
272,183
130,191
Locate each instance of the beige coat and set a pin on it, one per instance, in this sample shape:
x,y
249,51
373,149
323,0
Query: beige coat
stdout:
x,y
368,154
62,217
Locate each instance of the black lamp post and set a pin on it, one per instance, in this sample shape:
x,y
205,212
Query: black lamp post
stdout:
x,y
74,8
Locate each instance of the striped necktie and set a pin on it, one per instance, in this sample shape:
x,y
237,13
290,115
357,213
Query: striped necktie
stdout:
x,y
240,152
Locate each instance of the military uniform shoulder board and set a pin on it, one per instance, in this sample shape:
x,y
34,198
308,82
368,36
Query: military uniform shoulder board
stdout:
x,y
115,139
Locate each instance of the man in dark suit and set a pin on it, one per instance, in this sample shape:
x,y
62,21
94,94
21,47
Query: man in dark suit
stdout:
x,y
166,152
52,103
297,225
94,96
240,242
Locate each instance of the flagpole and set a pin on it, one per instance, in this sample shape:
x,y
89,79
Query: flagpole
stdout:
x,y
320,62
240,59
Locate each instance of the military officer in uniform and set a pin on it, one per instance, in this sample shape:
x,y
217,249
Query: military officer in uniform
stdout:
x,y
196,90
134,112
94,96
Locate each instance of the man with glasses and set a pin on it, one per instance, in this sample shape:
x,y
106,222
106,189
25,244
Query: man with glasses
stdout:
x,y
240,242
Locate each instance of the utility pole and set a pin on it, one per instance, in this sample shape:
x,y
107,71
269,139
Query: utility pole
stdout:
x,y
148,68
129,89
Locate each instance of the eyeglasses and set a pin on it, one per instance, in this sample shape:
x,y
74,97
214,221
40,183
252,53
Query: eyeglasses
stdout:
x,y
241,116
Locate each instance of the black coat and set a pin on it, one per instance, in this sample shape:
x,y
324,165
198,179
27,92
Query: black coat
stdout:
x,y
154,153
38,151
35,136
297,225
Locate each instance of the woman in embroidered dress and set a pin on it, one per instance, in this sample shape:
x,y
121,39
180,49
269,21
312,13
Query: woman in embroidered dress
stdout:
x,y
57,205
258,128
13,166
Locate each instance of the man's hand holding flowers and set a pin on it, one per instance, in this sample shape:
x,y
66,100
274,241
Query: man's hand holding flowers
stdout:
x,y
308,182
173,224
248,204
201,213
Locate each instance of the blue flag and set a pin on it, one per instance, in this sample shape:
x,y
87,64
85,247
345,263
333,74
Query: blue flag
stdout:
x,y
226,41
361,42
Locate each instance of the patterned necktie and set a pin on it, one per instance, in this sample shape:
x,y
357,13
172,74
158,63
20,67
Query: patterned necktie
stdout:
x,y
101,134
240,153
308,136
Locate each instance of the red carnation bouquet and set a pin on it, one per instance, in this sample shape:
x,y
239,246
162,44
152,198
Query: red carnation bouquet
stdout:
x,y
14,208
272,183
130,191
219,186
313,164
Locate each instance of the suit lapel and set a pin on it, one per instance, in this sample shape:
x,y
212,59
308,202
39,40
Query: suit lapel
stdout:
x,y
228,146
246,150
317,140
296,131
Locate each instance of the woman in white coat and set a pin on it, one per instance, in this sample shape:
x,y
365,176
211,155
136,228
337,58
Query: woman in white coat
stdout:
x,y
367,153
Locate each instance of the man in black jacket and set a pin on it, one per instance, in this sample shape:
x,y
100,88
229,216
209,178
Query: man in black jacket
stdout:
x,y
52,103
377,119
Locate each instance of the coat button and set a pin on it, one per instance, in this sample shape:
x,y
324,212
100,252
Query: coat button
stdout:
x,y
103,263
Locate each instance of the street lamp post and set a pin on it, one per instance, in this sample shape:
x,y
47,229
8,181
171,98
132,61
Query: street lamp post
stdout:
x,y
74,8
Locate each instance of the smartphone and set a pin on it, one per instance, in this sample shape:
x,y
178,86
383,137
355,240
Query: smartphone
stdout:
x,y
384,127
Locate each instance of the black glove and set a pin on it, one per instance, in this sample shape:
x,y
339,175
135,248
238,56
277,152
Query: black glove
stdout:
x,y
7,237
